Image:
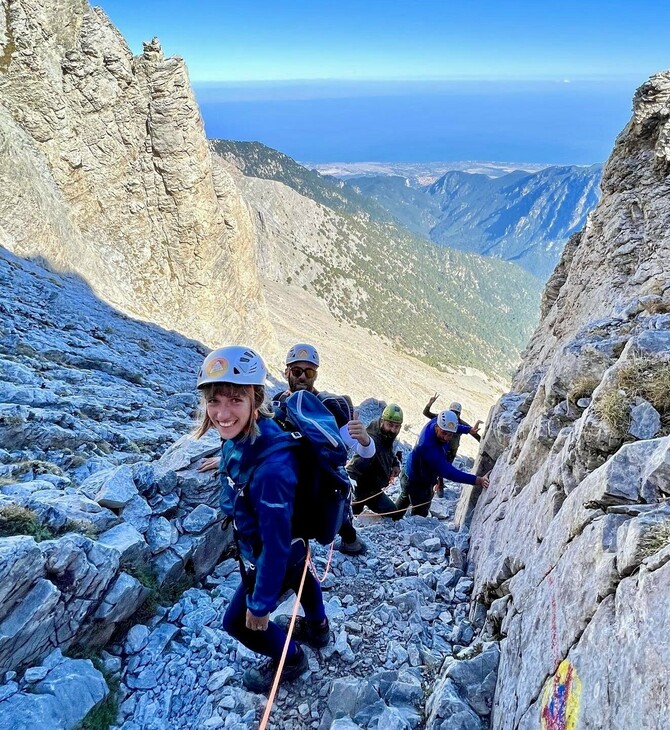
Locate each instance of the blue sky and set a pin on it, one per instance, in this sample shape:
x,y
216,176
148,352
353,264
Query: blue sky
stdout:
x,y
435,80
385,39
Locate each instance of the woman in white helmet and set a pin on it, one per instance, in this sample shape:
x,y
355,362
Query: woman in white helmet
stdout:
x,y
259,476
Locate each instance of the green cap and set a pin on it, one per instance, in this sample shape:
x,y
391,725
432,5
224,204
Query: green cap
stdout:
x,y
392,412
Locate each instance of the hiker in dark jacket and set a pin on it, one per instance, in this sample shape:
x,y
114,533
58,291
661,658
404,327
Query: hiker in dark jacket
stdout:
x,y
372,475
456,408
258,492
302,364
429,460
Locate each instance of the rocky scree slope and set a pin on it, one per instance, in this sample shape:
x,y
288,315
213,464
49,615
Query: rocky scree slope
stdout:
x,y
570,546
89,529
98,541
106,172
440,305
397,615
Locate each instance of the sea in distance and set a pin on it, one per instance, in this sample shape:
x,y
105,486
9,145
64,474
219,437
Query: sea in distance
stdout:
x,y
553,122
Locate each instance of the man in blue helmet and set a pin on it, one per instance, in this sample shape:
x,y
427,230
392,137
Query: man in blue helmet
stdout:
x,y
302,364
429,460
454,407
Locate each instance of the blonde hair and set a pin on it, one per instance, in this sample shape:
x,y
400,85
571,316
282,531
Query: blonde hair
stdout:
x,y
254,393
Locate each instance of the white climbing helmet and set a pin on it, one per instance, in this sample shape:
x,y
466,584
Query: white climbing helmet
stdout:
x,y
448,421
456,407
302,352
235,364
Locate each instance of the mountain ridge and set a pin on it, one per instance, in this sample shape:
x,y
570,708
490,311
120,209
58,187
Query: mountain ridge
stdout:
x,y
520,216
353,262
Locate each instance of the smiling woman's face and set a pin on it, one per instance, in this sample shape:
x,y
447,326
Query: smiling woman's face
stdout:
x,y
229,414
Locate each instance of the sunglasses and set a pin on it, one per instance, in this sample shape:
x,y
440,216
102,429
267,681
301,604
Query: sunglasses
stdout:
x,y
296,372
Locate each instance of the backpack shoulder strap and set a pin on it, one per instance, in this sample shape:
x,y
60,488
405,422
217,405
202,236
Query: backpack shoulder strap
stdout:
x,y
338,405
269,450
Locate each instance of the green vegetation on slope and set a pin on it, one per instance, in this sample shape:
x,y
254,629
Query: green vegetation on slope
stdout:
x,y
522,217
443,306
257,160
446,307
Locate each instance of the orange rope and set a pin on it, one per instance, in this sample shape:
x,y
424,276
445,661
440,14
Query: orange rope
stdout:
x,y
395,511
360,501
310,564
313,567
280,666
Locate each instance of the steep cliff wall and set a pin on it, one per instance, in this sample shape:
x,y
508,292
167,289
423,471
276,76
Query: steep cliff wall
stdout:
x,y
115,178
623,250
570,544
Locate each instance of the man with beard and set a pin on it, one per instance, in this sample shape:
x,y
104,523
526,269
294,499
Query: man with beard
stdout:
x,y
302,363
429,459
372,475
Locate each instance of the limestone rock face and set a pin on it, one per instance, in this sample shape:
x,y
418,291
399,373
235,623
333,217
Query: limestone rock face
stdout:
x,y
115,178
569,543
57,694
623,251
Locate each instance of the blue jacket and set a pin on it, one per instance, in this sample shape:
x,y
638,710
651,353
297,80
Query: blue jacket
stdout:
x,y
428,460
258,492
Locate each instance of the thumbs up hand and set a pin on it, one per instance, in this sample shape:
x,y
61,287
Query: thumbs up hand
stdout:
x,y
357,430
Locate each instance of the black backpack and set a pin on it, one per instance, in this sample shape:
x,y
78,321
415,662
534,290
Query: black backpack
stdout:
x,y
322,498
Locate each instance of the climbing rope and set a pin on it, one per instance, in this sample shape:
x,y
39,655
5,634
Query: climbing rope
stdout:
x,y
309,564
393,512
287,642
372,496
312,567
275,682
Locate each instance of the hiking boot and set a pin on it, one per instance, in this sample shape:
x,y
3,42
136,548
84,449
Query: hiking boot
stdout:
x,y
357,547
312,633
259,679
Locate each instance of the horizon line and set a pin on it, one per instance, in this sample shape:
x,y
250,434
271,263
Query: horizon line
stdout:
x,y
566,79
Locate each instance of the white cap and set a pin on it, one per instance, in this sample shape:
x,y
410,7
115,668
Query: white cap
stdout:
x,y
456,407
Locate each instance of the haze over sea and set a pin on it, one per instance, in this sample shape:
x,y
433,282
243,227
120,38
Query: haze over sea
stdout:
x,y
557,122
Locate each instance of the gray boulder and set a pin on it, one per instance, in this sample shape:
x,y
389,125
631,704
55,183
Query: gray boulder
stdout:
x,y
475,678
127,540
447,710
113,488
70,689
353,697
200,519
645,420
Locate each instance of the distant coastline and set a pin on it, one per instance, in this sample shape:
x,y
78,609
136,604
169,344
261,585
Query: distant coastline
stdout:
x,y
421,173
539,123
